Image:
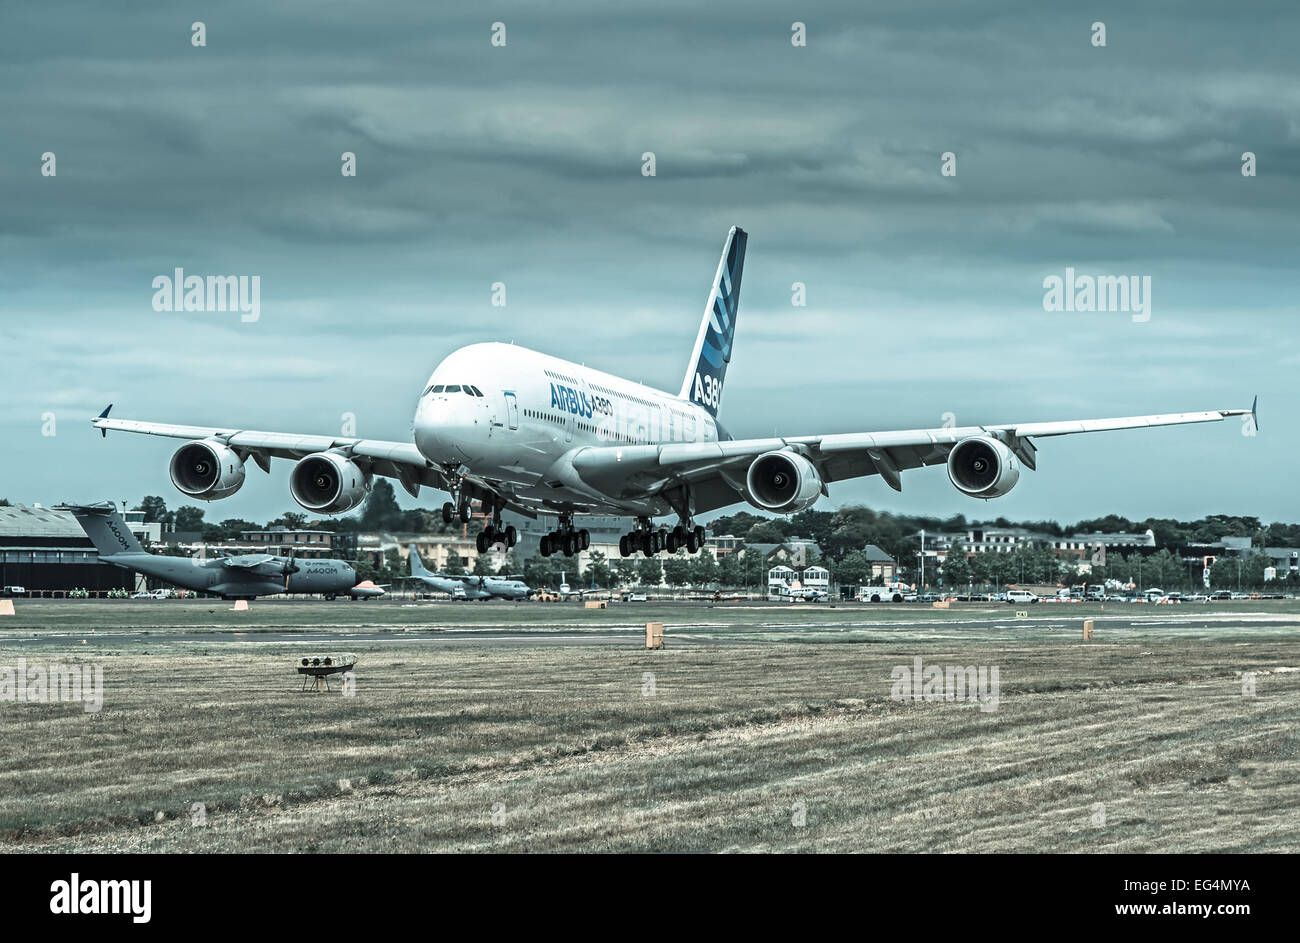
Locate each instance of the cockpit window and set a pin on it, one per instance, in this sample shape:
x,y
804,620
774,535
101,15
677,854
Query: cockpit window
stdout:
x,y
469,391
454,388
477,391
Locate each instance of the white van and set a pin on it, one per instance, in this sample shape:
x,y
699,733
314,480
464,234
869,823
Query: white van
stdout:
x,y
1021,595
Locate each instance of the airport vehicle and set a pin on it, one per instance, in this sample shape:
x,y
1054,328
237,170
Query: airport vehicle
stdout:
x,y
466,585
879,594
15,591
151,594
516,428
1021,596
1220,594
635,597
245,576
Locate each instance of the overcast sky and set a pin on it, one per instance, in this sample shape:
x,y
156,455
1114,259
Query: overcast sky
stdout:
x,y
522,164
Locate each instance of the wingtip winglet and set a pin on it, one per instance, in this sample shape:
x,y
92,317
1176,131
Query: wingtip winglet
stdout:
x,y
107,410
1254,416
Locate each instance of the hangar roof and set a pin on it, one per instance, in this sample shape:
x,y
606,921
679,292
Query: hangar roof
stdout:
x,y
22,521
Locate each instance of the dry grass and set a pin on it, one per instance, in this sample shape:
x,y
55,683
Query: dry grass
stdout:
x,y
717,759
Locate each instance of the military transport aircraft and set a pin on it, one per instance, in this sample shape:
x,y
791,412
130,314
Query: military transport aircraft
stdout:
x,y
515,428
467,585
234,577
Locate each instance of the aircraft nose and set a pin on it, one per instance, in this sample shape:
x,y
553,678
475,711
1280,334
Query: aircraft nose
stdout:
x,y
441,426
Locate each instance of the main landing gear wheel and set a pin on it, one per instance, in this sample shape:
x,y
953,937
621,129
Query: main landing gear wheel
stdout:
x,y
448,512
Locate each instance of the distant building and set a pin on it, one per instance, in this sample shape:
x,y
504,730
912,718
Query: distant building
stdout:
x,y
883,568
818,578
796,552
1084,546
1285,561
724,544
282,540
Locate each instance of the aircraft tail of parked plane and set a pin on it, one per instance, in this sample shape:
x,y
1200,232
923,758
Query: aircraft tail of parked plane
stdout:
x,y
708,364
417,565
106,529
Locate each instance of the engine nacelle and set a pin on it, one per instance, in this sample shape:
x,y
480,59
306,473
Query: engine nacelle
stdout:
x,y
207,470
783,482
983,467
328,483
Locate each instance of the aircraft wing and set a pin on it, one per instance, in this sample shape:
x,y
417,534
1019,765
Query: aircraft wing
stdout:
x,y
716,471
249,561
399,460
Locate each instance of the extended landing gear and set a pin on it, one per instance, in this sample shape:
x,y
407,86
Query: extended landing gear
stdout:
x,y
648,540
494,533
565,539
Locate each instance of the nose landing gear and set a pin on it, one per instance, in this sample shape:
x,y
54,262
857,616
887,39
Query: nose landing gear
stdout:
x,y
494,533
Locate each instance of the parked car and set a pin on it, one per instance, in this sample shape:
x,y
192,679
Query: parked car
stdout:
x,y
1021,596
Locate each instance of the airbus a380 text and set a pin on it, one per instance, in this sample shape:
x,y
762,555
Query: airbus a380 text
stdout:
x,y
515,428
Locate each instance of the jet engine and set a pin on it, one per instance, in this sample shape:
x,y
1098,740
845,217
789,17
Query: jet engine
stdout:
x,y
983,467
328,483
207,470
783,482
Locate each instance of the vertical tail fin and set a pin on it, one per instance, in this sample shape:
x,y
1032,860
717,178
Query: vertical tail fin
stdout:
x,y
417,565
708,365
106,529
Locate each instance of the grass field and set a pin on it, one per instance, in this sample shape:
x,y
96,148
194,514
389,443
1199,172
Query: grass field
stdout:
x,y
752,720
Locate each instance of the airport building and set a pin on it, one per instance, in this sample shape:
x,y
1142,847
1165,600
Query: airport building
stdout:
x,y
884,569
45,552
1083,546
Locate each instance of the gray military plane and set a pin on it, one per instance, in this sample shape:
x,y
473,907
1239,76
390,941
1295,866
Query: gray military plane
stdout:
x,y
244,576
467,586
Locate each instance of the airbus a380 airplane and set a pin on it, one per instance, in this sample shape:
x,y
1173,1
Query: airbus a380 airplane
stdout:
x,y
515,428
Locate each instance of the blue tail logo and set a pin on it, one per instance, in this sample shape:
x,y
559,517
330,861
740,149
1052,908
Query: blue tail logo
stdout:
x,y
712,353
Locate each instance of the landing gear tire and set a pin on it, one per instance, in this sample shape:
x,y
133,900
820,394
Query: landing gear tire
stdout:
x,y
448,512
672,541
691,546
511,535
464,514
544,546
570,545
700,537
584,540
624,550
481,541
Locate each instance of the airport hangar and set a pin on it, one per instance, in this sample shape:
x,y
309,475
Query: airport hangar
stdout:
x,y
46,551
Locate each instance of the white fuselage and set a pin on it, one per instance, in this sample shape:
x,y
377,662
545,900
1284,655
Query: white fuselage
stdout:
x,y
533,410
